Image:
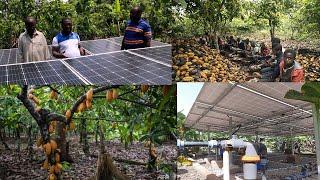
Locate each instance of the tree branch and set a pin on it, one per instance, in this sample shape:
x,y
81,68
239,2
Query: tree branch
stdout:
x,y
140,103
98,119
124,99
56,117
23,97
83,97
53,89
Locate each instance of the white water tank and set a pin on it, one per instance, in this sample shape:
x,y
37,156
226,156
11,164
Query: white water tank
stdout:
x,y
249,171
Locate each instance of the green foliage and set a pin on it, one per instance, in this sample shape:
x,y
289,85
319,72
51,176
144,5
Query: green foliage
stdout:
x,y
91,18
120,119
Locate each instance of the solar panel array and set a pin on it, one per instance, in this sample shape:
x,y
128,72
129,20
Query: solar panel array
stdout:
x,y
106,65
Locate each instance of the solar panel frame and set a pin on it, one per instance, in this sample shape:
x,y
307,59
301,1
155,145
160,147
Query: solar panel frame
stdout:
x,y
99,46
105,68
9,56
39,73
122,67
161,54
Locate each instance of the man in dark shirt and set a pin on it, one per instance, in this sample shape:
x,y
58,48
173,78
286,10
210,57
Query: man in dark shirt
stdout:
x,y
138,32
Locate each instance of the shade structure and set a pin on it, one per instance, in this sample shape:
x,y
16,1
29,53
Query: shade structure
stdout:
x,y
260,108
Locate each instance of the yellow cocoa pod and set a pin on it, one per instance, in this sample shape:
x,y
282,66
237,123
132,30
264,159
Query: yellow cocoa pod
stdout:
x,y
51,170
51,128
53,145
88,104
89,95
81,107
165,90
47,149
72,125
45,164
57,168
36,100
57,157
144,88
53,94
109,95
115,94
39,142
52,177
68,114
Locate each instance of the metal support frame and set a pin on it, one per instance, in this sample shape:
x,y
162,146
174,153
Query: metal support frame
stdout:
x,y
316,120
238,114
259,120
223,95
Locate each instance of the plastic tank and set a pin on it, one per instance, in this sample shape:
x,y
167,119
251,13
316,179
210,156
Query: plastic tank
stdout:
x,y
249,171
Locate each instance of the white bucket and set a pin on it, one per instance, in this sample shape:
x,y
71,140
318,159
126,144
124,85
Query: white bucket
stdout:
x,y
249,171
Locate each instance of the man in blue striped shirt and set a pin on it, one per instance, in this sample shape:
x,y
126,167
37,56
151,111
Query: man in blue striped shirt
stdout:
x,y
138,32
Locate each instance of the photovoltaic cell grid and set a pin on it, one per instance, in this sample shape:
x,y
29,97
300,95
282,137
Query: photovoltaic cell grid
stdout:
x,y
38,74
162,54
121,68
9,56
100,46
110,45
147,66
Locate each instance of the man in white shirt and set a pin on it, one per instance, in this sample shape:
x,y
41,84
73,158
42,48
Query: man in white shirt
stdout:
x,y
67,43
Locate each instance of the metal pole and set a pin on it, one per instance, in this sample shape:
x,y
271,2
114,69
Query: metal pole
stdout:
x,y
292,143
230,137
208,139
226,165
217,151
316,122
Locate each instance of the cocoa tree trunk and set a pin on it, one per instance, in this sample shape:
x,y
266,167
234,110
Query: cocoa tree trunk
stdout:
x,y
272,29
85,145
30,143
18,139
4,142
62,142
96,133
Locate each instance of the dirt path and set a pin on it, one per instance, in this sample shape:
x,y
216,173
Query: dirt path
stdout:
x,y
17,165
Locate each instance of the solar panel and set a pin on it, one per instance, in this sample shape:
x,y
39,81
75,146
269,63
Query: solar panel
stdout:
x,y
9,56
106,65
50,72
100,46
161,54
121,68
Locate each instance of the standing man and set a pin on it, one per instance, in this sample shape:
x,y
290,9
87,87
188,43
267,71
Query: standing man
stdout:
x,y
67,43
32,44
138,32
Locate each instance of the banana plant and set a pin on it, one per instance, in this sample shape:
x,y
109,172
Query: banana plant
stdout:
x,y
310,92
